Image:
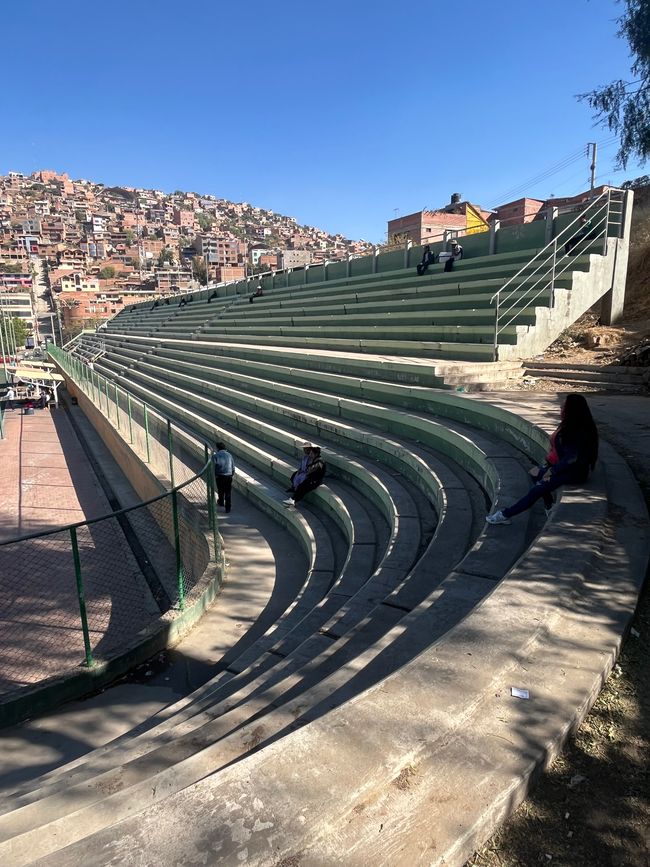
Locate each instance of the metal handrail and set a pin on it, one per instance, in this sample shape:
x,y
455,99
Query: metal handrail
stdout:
x,y
551,259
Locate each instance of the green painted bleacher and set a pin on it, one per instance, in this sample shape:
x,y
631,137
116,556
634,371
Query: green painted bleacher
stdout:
x,y
367,642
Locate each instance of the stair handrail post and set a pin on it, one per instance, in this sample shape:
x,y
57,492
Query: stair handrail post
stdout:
x,y
552,304
609,199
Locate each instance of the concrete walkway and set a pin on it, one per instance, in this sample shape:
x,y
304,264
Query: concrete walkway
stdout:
x,y
45,480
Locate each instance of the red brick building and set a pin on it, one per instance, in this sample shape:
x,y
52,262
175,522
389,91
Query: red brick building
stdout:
x,y
422,226
84,309
520,211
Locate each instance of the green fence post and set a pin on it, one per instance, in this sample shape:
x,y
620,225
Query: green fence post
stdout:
x,y
177,548
128,408
117,407
80,596
146,431
170,446
212,512
108,400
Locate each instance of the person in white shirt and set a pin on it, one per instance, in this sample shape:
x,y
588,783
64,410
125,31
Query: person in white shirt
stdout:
x,y
10,396
224,470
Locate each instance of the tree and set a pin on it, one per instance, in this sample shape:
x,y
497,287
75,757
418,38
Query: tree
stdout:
x,y
200,270
21,330
130,237
107,273
205,222
165,255
80,215
11,268
624,106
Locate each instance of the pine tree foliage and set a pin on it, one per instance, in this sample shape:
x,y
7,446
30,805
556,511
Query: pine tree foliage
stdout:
x,y
624,106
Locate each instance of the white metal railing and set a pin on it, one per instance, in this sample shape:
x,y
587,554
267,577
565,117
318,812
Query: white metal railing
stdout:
x,y
592,224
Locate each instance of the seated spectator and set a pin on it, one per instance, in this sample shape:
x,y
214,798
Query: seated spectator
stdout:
x,y
308,476
428,258
572,456
454,253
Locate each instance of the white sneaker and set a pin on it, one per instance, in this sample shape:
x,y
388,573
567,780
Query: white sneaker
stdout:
x,y
288,503
497,518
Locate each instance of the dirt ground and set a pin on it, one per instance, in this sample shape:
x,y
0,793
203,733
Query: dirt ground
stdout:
x,y
588,342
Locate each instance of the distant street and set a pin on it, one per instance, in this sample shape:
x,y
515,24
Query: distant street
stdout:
x,y
42,308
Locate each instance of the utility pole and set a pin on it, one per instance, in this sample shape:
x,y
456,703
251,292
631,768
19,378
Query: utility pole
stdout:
x,y
594,152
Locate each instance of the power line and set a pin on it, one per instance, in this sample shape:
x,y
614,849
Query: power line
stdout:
x,y
570,159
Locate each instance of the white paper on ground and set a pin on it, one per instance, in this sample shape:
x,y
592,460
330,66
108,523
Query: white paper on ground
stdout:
x,y
519,693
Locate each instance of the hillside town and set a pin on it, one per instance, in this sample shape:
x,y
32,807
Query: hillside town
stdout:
x,y
93,249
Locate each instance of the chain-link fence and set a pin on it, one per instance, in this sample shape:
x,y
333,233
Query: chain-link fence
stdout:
x,y
86,590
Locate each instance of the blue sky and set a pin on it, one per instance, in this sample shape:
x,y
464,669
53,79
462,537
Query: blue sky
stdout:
x,y
336,113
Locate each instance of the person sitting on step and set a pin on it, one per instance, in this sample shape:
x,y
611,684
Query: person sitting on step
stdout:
x,y
572,456
308,476
428,258
454,253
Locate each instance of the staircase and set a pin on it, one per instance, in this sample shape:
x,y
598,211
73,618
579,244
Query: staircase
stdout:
x,y
593,377
600,232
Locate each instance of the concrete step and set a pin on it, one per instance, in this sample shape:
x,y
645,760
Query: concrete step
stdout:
x,y
614,378
593,384
610,370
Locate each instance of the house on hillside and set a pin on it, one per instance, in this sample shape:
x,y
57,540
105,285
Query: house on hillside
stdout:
x,y
457,218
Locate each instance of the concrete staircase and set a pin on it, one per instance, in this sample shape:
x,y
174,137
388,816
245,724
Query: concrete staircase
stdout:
x,y
594,377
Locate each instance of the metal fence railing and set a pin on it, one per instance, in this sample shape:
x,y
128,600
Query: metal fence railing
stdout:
x,y
79,588
596,222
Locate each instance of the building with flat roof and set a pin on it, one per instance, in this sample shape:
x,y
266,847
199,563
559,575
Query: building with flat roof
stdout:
x,y
456,218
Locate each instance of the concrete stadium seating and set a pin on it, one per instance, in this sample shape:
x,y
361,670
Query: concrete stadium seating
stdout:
x,y
372,723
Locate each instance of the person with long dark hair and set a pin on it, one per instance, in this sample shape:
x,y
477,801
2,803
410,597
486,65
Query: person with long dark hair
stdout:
x,y
572,456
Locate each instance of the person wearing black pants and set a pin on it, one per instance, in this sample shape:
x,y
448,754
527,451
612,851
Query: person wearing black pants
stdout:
x,y
224,470
572,456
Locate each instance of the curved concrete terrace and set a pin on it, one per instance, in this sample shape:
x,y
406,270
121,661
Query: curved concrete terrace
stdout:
x,y
416,691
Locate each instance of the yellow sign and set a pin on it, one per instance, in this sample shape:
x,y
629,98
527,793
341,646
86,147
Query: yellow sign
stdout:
x,y
475,222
